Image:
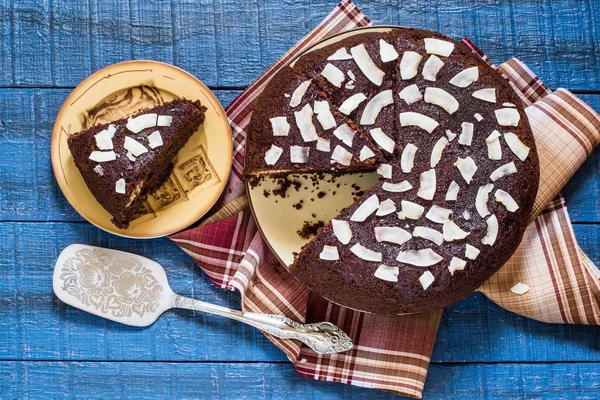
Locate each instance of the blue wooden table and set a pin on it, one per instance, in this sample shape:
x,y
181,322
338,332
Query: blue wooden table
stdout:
x,y
48,349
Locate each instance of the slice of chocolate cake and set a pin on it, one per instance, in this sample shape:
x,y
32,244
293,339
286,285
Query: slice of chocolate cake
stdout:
x,y
459,180
123,161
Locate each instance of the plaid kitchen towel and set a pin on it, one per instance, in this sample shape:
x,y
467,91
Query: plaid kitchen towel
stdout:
x,y
392,352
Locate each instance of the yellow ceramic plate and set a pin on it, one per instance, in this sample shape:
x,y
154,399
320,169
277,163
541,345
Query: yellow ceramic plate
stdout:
x,y
279,219
201,167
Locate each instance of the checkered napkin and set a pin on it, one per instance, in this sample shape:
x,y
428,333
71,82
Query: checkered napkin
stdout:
x,y
392,352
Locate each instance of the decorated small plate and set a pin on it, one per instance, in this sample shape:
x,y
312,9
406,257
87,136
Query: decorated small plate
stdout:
x,y
202,167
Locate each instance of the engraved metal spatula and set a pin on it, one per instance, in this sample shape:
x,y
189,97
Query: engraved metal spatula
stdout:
x,y
134,290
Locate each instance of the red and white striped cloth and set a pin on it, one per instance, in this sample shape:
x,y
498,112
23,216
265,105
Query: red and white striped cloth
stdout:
x,y
393,352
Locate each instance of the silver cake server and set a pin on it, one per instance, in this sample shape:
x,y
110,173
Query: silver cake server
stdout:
x,y
134,290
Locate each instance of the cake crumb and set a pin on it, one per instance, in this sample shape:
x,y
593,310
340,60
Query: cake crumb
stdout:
x,y
310,229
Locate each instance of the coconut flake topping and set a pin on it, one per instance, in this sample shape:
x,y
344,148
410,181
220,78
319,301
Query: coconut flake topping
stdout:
x,y
467,168
155,140
410,210
366,64
492,231
403,186
439,47
365,254
409,64
341,54
341,156
453,232
300,91
329,253
508,116
471,252
280,126
431,68
493,146
452,193
387,52
104,138
483,195
120,186
506,199
103,156
436,153
386,273
365,154
341,230
419,258
410,94
418,119
407,160
438,214
352,102
426,280
305,124
488,95
334,75
345,134
164,120
374,107
386,207
383,140
465,77
299,154
429,234
456,264
141,122
466,136
441,98
502,171
392,234
323,145
427,185
385,170
272,155
516,146
368,207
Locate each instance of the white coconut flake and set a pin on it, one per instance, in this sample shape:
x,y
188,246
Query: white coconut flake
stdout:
x,y
365,254
411,210
452,193
345,134
341,230
438,214
467,168
418,119
164,120
427,185
426,280
516,146
323,145
299,93
492,231
387,52
385,170
471,252
352,102
341,156
439,47
450,135
502,171
103,156
324,115
366,64
507,200
466,136
155,140
409,64
272,155
130,157
453,232
465,77
120,186
386,273
493,146
341,54
411,94
365,153
508,116
100,171
520,289
368,207
488,95
351,75
508,104
456,264
483,195
104,138
334,75
431,68
419,258
141,122
386,207
403,186
383,140
478,117
438,149
374,107
280,126
441,98
392,234
305,123
466,215
299,154
407,160
429,234
329,253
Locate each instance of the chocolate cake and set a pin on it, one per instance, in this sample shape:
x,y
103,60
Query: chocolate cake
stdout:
x,y
123,161
456,154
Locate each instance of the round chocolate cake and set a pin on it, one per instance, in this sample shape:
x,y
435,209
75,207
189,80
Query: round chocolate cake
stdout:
x,y
451,141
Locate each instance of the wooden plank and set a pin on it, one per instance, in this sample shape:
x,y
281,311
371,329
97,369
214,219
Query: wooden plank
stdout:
x,y
101,380
229,43
36,326
26,121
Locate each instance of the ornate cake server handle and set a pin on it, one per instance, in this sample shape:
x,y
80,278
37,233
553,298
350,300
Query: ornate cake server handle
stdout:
x,y
322,337
134,290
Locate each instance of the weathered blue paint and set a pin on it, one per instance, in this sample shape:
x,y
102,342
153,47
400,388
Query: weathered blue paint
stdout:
x,y
50,350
